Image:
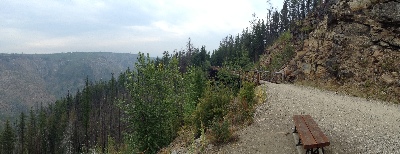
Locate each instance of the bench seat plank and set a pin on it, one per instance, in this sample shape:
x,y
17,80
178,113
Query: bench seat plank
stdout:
x,y
306,137
318,135
310,134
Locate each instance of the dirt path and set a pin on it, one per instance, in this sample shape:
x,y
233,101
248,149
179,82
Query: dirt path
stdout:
x,y
353,125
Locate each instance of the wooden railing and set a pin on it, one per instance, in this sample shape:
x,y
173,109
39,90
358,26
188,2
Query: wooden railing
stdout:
x,y
252,76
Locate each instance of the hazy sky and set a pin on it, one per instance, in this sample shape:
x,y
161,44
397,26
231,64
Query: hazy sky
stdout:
x,y
151,26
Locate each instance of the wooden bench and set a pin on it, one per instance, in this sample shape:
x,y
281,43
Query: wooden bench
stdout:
x,y
310,135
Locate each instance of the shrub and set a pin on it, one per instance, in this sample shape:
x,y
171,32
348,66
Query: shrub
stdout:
x,y
229,80
240,112
285,37
211,106
280,58
220,132
195,82
247,92
241,109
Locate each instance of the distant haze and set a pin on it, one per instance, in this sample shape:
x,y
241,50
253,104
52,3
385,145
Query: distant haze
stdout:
x,y
154,26
32,79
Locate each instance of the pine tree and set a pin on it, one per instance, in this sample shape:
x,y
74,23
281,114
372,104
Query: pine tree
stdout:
x,y
86,112
302,9
308,6
285,19
21,134
315,4
8,139
294,10
31,133
42,131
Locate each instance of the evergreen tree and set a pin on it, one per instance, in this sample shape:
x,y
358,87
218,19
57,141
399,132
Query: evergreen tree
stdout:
x,y
315,4
42,131
153,112
86,113
302,9
294,10
285,19
31,133
21,134
8,139
308,6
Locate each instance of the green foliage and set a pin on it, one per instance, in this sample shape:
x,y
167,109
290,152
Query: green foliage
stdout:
x,y
262,33
154,110
21,132
111,146
285,37
246,93
241,62
195,83
220,132
280,58
241,109
306,28
212,106
229,79
31,130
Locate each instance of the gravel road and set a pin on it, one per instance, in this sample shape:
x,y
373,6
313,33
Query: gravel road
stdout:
x,y
353,125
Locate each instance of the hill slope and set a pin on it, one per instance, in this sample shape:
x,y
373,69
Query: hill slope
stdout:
x,y
29,79
350,46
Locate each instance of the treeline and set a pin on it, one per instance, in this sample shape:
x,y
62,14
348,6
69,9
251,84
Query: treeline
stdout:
x,y
90,119
188,57
139,111
244,48
98,117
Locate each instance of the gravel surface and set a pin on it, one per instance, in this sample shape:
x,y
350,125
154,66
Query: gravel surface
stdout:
x,y
353,125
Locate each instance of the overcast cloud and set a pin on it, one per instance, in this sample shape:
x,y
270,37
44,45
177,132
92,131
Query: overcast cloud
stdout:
x,y
151,26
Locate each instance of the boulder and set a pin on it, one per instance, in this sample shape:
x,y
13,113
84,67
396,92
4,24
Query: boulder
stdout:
x,y
387,12
388,79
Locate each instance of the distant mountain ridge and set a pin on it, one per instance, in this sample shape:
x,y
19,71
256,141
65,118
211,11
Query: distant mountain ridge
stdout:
x,y
29,79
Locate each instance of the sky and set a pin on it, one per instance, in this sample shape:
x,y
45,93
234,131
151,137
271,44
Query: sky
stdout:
x,y
149,26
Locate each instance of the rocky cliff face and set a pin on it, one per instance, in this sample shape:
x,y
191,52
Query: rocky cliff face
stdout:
x,y
353,47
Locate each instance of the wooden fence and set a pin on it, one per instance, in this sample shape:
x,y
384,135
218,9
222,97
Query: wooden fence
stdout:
x,y
253,76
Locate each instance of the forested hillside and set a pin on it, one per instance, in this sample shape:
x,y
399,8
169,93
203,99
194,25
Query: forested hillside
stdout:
x,y
351,47
246,48
33,79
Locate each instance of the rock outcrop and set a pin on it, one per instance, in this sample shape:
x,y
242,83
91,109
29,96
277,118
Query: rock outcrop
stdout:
x,y
355,47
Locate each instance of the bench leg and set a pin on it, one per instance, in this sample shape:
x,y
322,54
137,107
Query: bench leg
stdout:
x,y
299,143
316,151
312,151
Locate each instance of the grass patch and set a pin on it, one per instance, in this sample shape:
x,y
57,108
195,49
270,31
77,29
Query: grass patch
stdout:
x,y
369,90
